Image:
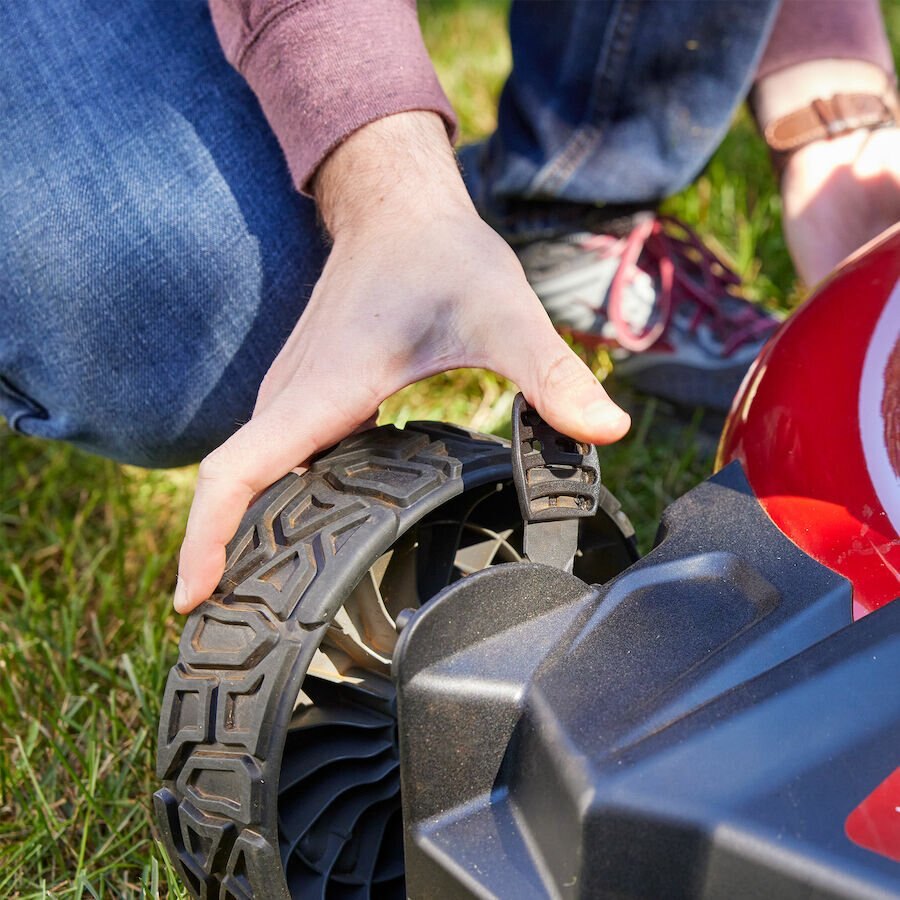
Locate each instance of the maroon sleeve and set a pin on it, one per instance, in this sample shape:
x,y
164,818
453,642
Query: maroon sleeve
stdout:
x,y
324,68
808,30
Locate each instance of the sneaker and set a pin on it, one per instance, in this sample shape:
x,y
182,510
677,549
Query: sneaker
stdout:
x,y
666,305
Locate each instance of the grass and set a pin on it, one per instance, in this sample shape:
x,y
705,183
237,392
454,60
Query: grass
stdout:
x,y
86,553
88,548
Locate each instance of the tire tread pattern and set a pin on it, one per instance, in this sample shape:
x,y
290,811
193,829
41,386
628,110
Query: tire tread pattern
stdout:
x,y
300,549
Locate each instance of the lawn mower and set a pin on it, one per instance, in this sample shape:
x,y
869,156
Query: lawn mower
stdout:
x,y
436,667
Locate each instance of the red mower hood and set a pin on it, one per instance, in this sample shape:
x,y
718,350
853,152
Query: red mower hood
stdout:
x,y
816,424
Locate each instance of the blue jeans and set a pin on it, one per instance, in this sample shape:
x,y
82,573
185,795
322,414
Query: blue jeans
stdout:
x,y
153,254
616,101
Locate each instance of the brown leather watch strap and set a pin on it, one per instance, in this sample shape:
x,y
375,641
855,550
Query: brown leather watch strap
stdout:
x,y
828,118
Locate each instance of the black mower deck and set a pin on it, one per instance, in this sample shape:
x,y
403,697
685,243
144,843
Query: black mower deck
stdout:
x,y
699,723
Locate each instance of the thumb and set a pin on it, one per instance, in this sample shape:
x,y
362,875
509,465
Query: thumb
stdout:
x,y
561,387
291,428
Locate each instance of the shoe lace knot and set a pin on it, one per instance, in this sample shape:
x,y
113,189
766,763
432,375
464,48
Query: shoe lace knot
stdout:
x,y
693,283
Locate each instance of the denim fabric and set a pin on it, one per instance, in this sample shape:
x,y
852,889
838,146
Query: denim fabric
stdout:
x,y
618,101
153,254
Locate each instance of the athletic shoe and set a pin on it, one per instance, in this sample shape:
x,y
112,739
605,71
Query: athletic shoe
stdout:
x,y
649,288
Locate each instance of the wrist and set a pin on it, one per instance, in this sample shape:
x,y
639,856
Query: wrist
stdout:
x,y
790,89
398,166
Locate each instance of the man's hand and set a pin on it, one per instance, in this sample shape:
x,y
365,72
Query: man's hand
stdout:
x,y
416,283
837,193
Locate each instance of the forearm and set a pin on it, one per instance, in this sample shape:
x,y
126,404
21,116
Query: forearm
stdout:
x,y
837,154
810,30
819,48
787,90
398,165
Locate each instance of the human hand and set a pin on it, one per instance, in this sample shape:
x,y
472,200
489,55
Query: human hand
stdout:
x,y
416,283
838,194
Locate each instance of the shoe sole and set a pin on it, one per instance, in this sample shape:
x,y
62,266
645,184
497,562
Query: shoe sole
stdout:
x,y
712,388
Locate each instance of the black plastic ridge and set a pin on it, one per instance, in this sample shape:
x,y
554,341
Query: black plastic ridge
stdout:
x,y
597,793
555,476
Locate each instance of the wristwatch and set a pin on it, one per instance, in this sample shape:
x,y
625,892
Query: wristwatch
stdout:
x,y
830,117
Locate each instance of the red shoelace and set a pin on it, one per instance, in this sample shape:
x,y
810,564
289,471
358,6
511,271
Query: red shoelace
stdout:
x,y
688,273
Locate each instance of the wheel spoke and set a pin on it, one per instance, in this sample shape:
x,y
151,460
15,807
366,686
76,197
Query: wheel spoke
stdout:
x,y
366,609
398,586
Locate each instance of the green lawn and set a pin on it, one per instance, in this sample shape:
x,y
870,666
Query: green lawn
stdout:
x,y
88,548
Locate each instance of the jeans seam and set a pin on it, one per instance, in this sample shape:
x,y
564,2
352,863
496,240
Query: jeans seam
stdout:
x,y
561,168
32,409
588,135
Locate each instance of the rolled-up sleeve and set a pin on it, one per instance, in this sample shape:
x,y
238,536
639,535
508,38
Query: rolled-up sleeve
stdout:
x,y
324,68
809,30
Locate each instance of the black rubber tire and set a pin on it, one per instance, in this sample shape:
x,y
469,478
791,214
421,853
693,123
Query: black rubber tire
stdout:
x,y
300,549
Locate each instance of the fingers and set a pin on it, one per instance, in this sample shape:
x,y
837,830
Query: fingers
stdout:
x,y
371,422
298,415
568,396
557,383
285,434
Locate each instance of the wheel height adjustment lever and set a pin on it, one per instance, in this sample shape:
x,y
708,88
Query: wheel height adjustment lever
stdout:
x,y
558,482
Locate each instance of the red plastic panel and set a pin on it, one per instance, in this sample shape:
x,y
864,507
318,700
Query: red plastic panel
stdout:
x,y
875,823
816,425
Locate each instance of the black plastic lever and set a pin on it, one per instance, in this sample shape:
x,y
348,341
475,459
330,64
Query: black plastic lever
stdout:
x,y
557,481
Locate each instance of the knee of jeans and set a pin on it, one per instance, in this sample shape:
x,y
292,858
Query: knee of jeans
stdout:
x,y
154,388
156,357
153,361
154,441
141,331
146,432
